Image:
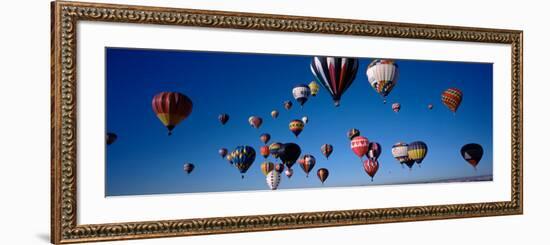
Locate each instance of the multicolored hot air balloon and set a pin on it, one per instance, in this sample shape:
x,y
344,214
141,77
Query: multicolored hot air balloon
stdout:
x,y
396,107
472,153
417,151
335,74
382,75
223,118
289,172
265,137
360,146
307,162
322,173
326,150
188,167
452,98
301,93
273,178
274,149
430,106
289,153
305,119
243,157
274,114
110,138
287,104
352,133
267,167
374,151
279,167
296,126
314,87
400,151
371,167
264,151
171,108
255,121
222,152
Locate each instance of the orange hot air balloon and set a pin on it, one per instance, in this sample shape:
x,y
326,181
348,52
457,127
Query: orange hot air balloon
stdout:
x,y
171,108
267,167
264,151
452,98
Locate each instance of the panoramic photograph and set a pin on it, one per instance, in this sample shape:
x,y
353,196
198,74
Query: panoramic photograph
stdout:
x,y
199,121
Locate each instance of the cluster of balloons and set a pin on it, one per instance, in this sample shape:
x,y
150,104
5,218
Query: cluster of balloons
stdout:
x,y
361,146
408,154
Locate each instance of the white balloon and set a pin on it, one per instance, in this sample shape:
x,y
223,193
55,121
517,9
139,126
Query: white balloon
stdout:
x,y
273,178
305,120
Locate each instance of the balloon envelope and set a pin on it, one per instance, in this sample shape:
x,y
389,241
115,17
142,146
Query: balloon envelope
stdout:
x,y
352,133
243,157
360,146
110,138
265,137
314,87
273,178
289,153
267,167
188,167
452,98
326,150
336,74
223,118
396,107
370,167
400,151
374,151
322,174
472,153
296,126
301,93
417,151
307,162
382,75
255,121
171,108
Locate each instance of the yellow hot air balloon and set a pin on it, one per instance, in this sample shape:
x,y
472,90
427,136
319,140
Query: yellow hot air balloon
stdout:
x,y
314,87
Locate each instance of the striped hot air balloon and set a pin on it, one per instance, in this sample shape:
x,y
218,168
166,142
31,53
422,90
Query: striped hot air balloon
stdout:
x,y
417,151
352,133
273,178
301,93
382,75
296,126
274,149
243,157
452,98
336,74
400,151
307,162
255,121
267,167
171,108
326,150
322,173
396,107
360,146
374,151
371,167
472,153
223,118
314,87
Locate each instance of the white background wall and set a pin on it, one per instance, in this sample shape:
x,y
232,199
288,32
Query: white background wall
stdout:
x,y
25,103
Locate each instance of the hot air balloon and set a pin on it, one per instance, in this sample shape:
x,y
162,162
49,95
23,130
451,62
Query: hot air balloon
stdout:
x,y
188,167
264,151
305,119
360,146
382,75
274,149
452,98
371,167
289,172
110,138
417,151
307,162
171,108
222,152
296,126
242,157
280,167
409,162
223,118
267,167
255,121
288,104
352,133
301,93
374,151
274,114
430,106
335,74
326,150
273,178
265,137
322,173
396,107
289,153
400,151
314,87
472,153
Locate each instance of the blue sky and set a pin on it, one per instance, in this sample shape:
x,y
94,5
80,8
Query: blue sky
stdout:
x,y
145,160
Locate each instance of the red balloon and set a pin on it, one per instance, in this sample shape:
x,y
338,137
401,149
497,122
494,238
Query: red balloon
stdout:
x,y
371,167
264,151
360,146
171,108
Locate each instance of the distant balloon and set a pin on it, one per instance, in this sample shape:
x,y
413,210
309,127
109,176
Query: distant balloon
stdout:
x,y
452,98
255,121
264,151
288,104
301,93
289,153
171,108
265,137
289,172
472,153
307,162
400,151
326,150
296,127
222,152
243,157
273,178
305,119
280,167
371,167
274,149
267,167
417,151
314,87
322,173
430,106
374,151
335,74
352,133
188,167
382,75
223,118
274,113
360,146
396,107
110,138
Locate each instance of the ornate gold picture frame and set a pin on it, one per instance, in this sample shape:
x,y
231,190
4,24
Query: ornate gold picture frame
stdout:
x,y
65,17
